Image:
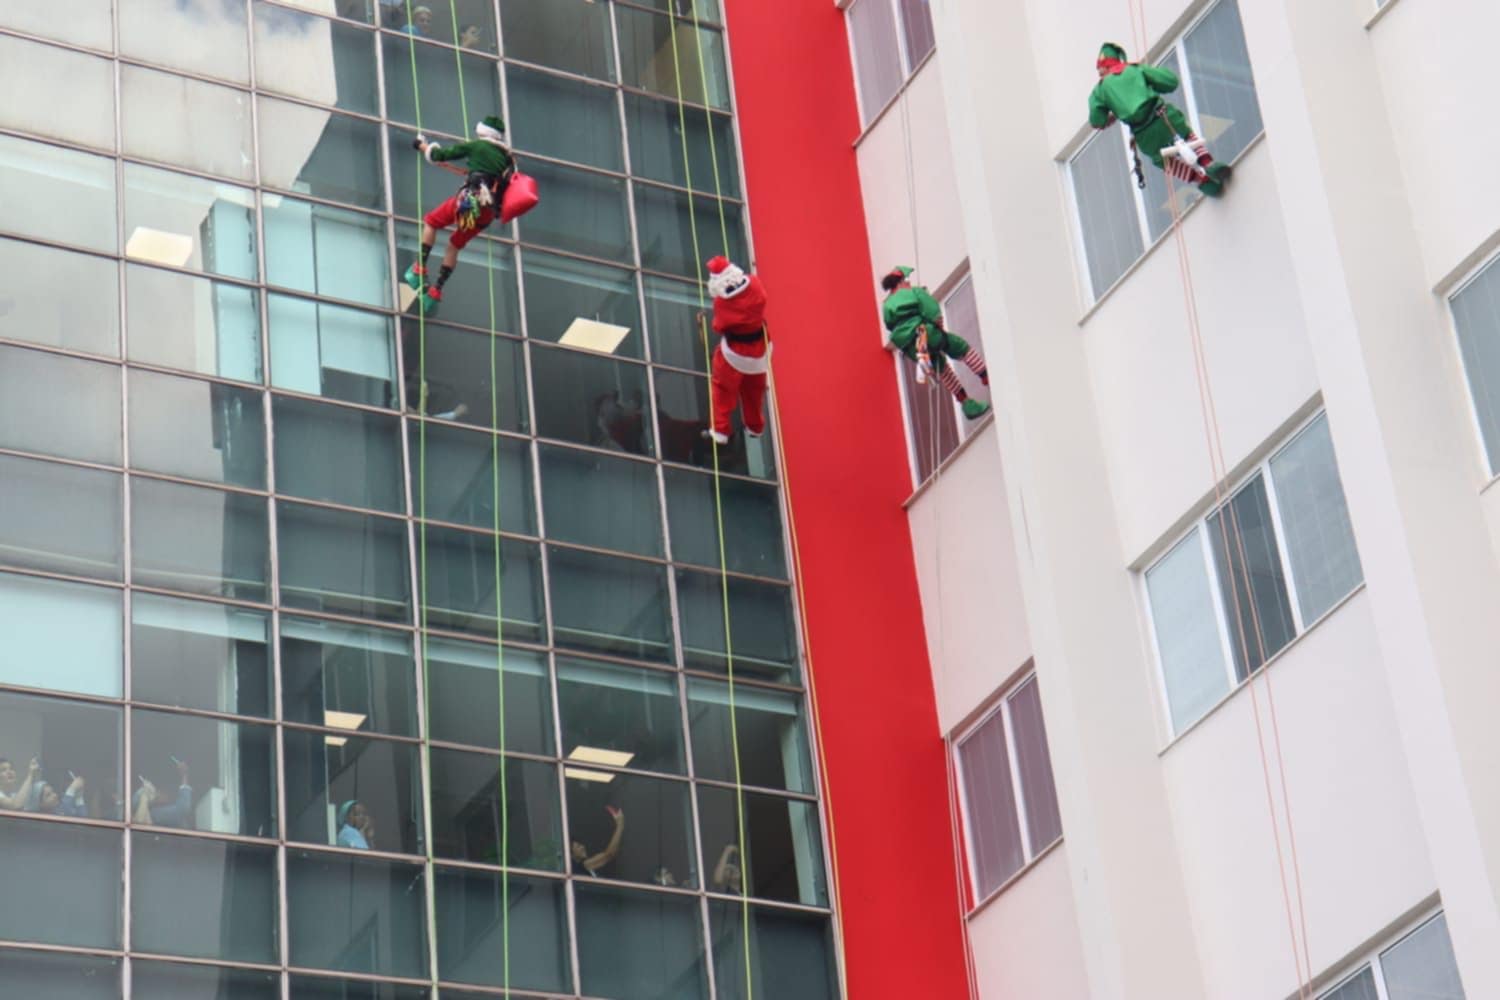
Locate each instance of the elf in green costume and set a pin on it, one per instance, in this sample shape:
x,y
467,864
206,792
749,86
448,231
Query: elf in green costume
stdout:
x,y
469,211
1131,92
914,325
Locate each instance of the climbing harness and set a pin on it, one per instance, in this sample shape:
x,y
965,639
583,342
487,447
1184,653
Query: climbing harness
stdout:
x,y
924,360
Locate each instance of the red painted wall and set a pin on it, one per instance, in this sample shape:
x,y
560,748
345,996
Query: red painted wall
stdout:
x,y
847,473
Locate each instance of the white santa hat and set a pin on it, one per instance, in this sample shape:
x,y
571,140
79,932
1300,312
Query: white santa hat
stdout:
x,y
725,279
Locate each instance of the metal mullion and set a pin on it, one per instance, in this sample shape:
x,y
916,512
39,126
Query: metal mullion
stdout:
x,y
76,821
494,752
162,477
61,949
475,530
44,574
277,391
313,199
807,798
709,193
347,619
594,449
612,263
688,18
329,975
327,17
1008,730
204,835
183,373
753,683
317,730
734,476
61,460
761,902
58,43
1216,598
333,505
1283,551
72,696
137,62
205,713
558,71
307,102
210,963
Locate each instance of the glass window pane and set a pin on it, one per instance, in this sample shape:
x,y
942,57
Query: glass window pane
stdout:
x,y
168,981
62,518
916,22
347,677
469,812
560,291
752,511
773,749
610,605
338,454
31,385
178,321
564,119
91,25
349,791
651,816
791,954
877,55
318,988
352,564
571,35
1421,966
194,773
1249,568
1223,85
647,51
198,540
453,478
332,351
202,898
28,75
197,430
666,225
640,946
185,221
1187,631
464,704
761,623
783,847
314,152
588,399
656,129
350,914
933,424
683,415
671,315
208,39
1476,316
1158,195
62,884
40,306
326,251
459,575
1361,987
75,750
619,715
593,499
497,931
467,298
1034,762
40,177
580,211
293,53
703,9
464,383
1315,520
191,654
437,81
188,123
1111,230
993,828
39,975
64,636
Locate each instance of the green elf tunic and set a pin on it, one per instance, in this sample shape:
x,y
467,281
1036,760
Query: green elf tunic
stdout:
x,y
905,311
482,156
1133,96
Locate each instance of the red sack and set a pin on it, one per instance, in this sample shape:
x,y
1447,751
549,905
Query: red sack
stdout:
x,y
520,197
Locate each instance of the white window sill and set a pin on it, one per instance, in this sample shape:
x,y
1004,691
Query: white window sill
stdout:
x,y
1019,874
1380,12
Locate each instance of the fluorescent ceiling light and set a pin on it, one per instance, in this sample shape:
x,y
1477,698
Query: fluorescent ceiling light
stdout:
x,y
342,720
605,777
158,246
593,335
595,755
335,741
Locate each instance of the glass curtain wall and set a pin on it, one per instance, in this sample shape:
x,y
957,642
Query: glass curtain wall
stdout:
x,y
271,548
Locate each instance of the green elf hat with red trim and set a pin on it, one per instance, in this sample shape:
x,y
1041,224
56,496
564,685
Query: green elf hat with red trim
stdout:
x,y
1111,58
895,276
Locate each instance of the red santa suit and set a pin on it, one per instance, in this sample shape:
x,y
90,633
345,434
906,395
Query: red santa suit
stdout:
x,y
743,356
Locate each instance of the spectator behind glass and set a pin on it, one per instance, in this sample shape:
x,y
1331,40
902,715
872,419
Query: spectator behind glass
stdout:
x,y
15,793
157,809
421,22
592,864
471,37
356,826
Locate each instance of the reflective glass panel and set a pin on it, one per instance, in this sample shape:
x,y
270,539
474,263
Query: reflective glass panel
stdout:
x,y
349,791
62,884
755,543
184,221
783,849
1252,587
353,564
1157,195
437,81
40,307
494,931
563,118
585,398
332,351
468,298
294,53
666,225
453,478
199,540
65,636
319,988
672,309
347,677
690,66
208,38
683,415
610,605
1360,987
192,654
58,517
772,736
350,914
465,698
325,155
1222,81
463,382
92,25
639,946
1315,521
571,35
197,430
51,976
791,954
1187,632
655,129
27,73
202,898
39,177
628,827
620,716
580,211
761,622
459,581
597,500
1421,966
324,250
993,818
169,981
1107,217
194,773
187,123
561,291
178,321
338,454
61,758
469,810
33,385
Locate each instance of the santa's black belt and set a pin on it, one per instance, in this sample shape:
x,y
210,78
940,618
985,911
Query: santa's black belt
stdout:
x,y
744,338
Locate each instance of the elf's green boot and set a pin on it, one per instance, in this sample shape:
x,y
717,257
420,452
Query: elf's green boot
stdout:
x,y
975,408
416,276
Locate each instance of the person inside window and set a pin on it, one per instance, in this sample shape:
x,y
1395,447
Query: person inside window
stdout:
x,y
15,791
421,22
159,809
727,876
471,37
593,862
356,826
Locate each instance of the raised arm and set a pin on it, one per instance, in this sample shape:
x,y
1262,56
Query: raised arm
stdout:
x,y
1100,116
23,793
612,849
1160,79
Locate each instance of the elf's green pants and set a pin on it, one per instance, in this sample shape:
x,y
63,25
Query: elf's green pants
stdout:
x,y
941,345
1156,135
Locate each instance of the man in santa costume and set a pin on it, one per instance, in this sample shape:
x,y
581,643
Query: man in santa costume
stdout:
x,y
744,355
914,326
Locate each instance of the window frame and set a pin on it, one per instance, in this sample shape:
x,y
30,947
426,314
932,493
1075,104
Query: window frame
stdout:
x,y
1370,958
963,429
908,66
998,705
1481,443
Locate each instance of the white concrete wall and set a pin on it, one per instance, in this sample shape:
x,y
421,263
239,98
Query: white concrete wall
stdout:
x,y
1026,943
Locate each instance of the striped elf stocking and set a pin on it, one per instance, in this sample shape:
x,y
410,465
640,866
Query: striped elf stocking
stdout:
x,y
976,365
950,381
